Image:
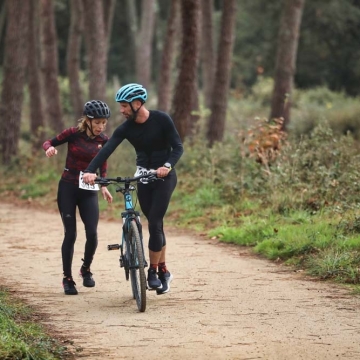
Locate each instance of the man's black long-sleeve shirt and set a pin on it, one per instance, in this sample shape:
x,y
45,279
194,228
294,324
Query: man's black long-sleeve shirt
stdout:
x,y
156,141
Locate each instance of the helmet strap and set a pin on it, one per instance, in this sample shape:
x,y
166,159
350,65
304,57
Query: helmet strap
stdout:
x,y
135,112
90,127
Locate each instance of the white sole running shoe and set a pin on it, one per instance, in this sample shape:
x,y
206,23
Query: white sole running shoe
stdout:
x,y
166,279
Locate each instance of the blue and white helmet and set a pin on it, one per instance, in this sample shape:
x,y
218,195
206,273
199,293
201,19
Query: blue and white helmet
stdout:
x,y
131,92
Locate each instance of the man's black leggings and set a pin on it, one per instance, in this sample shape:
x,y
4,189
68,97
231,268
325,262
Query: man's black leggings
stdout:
x,y
70,196
154,200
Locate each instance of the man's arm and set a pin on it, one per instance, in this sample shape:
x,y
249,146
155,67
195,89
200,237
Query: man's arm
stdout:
x,y
106,151
102,156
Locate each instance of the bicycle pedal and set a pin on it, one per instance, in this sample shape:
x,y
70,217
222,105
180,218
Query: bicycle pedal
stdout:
x,y
113,247
149,288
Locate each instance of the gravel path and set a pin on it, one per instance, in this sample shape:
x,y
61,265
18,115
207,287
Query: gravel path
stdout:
x,y
223,304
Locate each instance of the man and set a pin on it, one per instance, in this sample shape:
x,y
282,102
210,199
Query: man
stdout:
x,y
158,148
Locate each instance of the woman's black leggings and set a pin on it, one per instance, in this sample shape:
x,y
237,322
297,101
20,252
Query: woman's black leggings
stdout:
x,y
70,196
154,200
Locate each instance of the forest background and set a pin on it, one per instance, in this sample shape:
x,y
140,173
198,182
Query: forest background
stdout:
x,y
265,96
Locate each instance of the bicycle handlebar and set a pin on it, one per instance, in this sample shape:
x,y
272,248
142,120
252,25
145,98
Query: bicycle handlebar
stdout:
x,y
107,181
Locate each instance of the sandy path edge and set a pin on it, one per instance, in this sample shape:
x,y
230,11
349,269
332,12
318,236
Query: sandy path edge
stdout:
x,y
223,304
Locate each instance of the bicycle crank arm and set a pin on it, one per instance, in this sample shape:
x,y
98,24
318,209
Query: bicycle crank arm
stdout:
x,y
113,247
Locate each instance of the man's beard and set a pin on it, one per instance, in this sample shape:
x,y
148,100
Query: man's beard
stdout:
x,y
132,117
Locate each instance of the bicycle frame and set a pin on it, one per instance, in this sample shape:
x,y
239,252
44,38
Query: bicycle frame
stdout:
x,y
129,215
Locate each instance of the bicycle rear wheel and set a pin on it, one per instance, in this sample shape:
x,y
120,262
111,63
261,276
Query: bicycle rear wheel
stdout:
x,y
137,272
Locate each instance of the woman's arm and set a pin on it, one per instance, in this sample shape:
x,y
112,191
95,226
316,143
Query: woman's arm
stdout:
x,y
63,137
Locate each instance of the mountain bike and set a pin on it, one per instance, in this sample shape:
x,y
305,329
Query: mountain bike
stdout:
x,y
132,255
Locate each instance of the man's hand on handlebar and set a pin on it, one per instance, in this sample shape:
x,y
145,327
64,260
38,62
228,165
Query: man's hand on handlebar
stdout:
x,y
89,178
162,171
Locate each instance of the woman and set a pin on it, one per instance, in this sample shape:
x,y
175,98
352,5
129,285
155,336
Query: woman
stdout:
x,y
84,142
158,148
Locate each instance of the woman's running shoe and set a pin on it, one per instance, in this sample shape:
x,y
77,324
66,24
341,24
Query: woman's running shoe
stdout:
x,y
69,286
86,274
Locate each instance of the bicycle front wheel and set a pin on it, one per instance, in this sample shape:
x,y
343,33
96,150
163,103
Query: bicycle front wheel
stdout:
x,y
137,272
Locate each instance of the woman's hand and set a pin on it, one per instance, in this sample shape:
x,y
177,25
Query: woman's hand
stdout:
x,y
106,194
51,151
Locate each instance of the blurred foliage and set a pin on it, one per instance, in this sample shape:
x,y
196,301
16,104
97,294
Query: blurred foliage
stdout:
x,y
313,166
328,52
314,106
319,169
308,169
264,141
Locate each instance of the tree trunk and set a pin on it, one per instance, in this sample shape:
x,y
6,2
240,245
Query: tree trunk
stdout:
x,y
288,39
50,66
109,11
185,88
131,14
133,26
164,86
37,120
15,61
2,20
193,128
216,125
207,51
96,48
144,43
194,114
73,56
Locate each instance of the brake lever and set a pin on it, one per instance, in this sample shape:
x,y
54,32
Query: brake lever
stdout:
x,y
151,178
154,177
102,182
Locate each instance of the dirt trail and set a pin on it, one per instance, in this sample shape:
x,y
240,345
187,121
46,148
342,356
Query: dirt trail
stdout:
x,y
223,304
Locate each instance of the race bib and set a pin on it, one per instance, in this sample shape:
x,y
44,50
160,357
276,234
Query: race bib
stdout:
x,y
85,186
142,171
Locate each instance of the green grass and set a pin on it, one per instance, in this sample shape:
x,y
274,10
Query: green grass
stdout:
x,y
33,191
325,247
21,337
336,263
250,233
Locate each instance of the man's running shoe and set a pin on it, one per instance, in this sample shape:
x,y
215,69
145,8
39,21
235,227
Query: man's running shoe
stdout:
x,y
153,282
88,280
69,286
166,279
